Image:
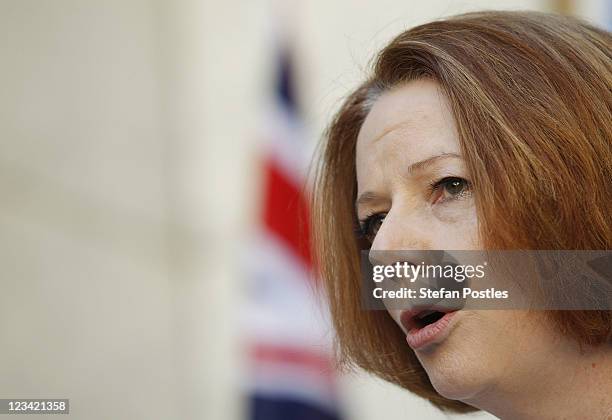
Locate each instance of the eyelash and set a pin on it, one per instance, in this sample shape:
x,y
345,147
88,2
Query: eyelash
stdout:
x,y
436,185
364,228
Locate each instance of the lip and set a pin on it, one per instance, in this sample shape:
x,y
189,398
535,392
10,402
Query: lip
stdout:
x,y
419,338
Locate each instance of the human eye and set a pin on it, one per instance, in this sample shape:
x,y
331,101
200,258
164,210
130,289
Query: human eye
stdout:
x,y
369,226
450,188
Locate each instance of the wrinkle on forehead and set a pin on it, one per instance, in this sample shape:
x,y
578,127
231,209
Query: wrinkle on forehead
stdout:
x,y
418,110
407,124
415,121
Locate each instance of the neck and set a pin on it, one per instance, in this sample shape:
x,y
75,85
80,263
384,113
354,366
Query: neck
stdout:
x,y
573,383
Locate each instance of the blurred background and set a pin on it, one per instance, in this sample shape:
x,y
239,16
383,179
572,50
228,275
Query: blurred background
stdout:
x,y
152,159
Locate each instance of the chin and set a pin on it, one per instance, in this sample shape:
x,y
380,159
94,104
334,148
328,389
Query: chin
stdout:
x,y
458,368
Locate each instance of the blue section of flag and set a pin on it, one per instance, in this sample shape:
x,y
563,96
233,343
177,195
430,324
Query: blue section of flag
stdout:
x,y
285,88
269,408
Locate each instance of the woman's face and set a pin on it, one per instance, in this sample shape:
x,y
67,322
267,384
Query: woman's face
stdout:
x,y
414,193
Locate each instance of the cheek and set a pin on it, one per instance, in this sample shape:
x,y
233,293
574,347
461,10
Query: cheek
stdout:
x,y
457,225
395,314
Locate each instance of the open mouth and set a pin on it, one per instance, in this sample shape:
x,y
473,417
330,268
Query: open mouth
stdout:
x,y
428,317
421,318
425,325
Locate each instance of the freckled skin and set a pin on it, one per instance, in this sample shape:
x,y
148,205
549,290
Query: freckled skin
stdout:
x,y
489,356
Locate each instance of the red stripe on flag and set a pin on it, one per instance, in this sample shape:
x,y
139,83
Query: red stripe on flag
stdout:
x,y
294,356
286,212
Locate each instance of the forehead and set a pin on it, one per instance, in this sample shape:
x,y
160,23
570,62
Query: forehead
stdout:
x,y
414,117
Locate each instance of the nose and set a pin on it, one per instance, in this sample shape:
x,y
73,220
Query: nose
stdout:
x,y
403,229
402,237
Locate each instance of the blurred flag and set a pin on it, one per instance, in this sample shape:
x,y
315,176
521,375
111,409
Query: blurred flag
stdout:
x,y
290,374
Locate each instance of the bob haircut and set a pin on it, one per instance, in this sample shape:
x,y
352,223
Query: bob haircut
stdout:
x,y
531,95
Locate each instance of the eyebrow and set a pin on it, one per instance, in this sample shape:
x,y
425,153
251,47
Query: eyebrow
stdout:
x,y
417,166
369,196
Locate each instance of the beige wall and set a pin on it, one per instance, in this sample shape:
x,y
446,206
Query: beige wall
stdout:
x,y
86,295
128,132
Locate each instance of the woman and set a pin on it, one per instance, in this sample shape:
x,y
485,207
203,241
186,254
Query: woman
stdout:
x,y
487,130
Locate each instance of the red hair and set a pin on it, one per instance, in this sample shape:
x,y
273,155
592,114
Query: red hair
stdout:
x,y
531,95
